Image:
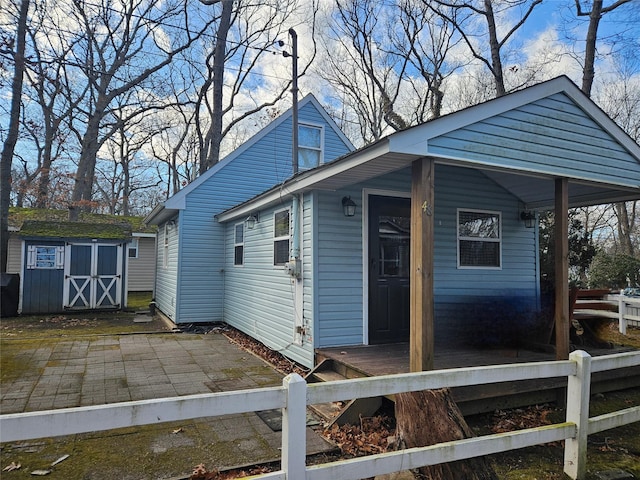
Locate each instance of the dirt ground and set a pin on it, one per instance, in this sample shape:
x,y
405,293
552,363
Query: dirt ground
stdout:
x,y
613,449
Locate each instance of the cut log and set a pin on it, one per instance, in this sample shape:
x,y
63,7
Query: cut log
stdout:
x,y
428,417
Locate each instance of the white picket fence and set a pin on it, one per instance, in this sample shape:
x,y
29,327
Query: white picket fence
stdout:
x,y
295,394
628,313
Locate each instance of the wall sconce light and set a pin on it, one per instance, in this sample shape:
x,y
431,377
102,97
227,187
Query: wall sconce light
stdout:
x,y
529,218
252,220
348,207
172,223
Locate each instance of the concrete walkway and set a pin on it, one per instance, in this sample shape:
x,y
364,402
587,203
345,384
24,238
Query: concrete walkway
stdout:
x,y
80,371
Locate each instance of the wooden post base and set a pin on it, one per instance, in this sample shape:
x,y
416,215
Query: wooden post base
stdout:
x,y
428,417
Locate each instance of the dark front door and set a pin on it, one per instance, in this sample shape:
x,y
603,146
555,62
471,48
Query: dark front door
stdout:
x,y
389,226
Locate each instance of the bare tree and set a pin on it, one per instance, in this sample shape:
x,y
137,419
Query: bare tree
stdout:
x,y
489,50
246,33
595,14
122,49
12,135
389,63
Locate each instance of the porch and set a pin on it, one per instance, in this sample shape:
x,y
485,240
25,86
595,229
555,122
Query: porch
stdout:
x,y
387,359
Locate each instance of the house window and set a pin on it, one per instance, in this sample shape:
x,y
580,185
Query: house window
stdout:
x,y
238,245
309,146
133,248
165,248
281,237
479,239
45,257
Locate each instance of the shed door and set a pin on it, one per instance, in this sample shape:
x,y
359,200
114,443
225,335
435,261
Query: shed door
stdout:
x,y
389,240
93,276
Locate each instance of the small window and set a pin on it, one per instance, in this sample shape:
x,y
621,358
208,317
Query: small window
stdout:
x,y
45,257
133,248
281,237
309,147
238,245
479,239
165,247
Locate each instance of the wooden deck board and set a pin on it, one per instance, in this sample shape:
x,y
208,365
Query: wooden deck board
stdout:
x,y
375,360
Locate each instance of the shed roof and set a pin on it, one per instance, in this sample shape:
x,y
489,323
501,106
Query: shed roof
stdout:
x,y
523,141
46,222
76,230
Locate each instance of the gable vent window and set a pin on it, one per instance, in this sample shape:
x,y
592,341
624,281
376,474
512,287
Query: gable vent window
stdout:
x,y
479,239
238,244
281,237
309,147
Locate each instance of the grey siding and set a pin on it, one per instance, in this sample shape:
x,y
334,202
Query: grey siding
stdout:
x,y
552,135
259,297
141,270
259,167
466,299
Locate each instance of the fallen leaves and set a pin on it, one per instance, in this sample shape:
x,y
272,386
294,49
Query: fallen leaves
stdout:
x,y
373,435
520,418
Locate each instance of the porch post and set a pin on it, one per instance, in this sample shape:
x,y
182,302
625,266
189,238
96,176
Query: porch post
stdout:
x,y
421,343
561,240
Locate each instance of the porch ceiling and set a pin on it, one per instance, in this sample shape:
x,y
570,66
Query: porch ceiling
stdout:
x,y
534,190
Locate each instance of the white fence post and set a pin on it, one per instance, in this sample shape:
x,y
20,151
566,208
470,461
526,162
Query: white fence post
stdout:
x,y
578,392
294,424
622,311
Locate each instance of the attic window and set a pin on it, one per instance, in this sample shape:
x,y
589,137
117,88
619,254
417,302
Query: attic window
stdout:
x,y
309,146
479,239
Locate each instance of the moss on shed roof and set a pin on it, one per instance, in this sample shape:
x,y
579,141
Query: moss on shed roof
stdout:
x,y
18,216
35,228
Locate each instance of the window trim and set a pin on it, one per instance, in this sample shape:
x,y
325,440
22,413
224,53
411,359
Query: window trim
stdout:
x,y
281,238
165,247
320,149
237,244
58,257
497,240
133,245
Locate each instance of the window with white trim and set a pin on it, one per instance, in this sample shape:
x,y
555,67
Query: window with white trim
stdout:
x,y
132,250
238,244
165,247
281,235
479,239
309,146
42,257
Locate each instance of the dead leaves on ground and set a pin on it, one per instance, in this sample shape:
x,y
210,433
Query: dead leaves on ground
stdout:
x,y
373,435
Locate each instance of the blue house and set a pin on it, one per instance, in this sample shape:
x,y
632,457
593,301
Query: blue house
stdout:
x,y
191,271
298,268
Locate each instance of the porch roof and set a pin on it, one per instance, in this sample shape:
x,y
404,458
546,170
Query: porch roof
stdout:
x,y
522,141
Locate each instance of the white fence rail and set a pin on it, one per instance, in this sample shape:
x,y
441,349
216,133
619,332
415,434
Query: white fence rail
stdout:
x,y
628,313
294,396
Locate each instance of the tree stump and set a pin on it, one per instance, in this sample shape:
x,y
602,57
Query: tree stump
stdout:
x,y
428,417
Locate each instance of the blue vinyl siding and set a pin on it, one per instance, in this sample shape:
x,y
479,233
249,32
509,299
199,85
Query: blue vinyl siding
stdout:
x,y
166,287
261,165
552,135
259,297
458,292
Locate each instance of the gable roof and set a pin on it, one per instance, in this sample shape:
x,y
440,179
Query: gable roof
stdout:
x,y
504,153
170,207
